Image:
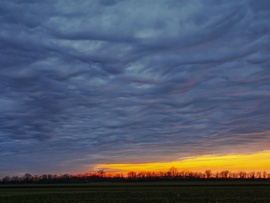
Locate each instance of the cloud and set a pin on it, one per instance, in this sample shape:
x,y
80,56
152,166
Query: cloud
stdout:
x,y
84,83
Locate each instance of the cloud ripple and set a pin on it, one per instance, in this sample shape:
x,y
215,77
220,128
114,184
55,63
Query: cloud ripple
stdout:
x,y
84,83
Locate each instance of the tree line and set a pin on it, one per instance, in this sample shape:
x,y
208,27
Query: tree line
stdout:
x,y
102,176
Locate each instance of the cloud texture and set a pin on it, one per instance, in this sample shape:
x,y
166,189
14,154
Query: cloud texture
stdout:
x,y
111,81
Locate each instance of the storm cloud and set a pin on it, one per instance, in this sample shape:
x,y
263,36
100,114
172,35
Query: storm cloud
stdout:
x,y
112,81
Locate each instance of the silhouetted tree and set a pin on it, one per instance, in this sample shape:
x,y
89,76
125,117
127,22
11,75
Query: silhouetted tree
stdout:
x,y
132,175
242,174
252,174
171,174
6,179
224,174
259,174
101,173
264,174
173,171
28,177
208,173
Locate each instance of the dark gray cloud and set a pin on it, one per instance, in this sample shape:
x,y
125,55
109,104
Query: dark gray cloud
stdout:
x,y
89,82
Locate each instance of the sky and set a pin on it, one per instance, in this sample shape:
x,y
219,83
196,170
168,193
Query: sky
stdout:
x,y
94,83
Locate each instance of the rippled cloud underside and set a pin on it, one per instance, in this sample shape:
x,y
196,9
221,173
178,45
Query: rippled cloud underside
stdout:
x,y
90,82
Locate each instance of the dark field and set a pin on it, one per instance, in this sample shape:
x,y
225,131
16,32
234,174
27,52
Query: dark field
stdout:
x,y
192,191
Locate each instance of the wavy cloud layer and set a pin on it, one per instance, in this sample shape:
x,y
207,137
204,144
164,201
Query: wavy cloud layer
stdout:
x,y
89,82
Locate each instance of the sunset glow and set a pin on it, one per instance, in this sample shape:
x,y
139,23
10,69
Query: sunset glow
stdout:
x,y
134,86
237,162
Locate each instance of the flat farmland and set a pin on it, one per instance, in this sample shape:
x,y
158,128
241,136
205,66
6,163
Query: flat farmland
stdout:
x,y
155,192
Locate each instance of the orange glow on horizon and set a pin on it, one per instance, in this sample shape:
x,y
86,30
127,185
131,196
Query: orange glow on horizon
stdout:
x,y
237,162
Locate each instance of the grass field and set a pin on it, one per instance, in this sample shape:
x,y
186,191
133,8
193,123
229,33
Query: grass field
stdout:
x,y
201,191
